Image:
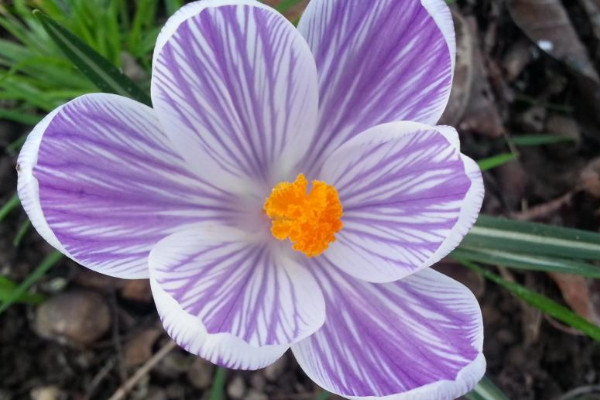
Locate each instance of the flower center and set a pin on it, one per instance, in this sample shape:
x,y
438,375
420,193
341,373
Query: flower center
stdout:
x,y
309,219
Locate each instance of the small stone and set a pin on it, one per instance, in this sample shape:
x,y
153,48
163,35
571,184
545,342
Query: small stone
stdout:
x,y
275,370
201,373
137,290
77,317
236,388
174,364
46,393
589,179
138,349
254,394
258,381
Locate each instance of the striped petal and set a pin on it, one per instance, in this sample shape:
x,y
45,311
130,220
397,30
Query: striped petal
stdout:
x,y
101,183
409,197
419,338
378,61
235,85
230,299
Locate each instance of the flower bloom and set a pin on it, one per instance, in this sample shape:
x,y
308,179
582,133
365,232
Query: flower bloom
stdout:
x,y
276,197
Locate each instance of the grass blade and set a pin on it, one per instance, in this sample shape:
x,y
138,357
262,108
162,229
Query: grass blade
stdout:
x,y
540,302
532,238
528,262
10,205
35,276
496,161
23,229
95,67
486,390
323,396
538,140
218,387
8,288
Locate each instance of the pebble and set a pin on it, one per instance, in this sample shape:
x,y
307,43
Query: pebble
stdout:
x,y
200,374
258,381
254,394
137,290
275,370
46,393
236,388
77,317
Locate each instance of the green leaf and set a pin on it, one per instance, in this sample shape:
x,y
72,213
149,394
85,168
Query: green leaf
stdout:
x,y
486,390
538,140
23,229
18,116
532,238
172,5
35,276
7,291
540,302
496,161
218,387
285,5
323,396
528,262
10,205
95,67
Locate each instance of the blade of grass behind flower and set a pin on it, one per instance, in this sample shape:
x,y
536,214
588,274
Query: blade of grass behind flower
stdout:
x,y
35,276
94,66
532,238
218,386
10,205
496,161
540,302
323,395
8,288
486,390
528,262
539,139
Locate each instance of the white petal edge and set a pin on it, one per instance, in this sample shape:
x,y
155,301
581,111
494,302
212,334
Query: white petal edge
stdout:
x,y
468,212
190,10
440,12
216,348
466,379
450,134
28,187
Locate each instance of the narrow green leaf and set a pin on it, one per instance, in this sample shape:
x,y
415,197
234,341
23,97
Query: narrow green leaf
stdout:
x,y
218,387
323,396
10,205
539,139
172,5
23,229
540,302
486,390
18,116
95,67
15,146
528,262
496,161
35,276
8,288
532,238
285,5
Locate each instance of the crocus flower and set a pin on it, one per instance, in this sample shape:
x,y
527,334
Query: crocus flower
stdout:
x,y
275,196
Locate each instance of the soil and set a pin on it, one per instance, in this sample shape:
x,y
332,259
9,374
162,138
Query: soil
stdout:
x,y
508,83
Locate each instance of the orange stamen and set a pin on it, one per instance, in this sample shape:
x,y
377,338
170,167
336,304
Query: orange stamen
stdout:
x,y
309,219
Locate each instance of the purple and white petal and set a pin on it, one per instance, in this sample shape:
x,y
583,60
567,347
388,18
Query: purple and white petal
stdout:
x,y
230,298
101,183
409,197
419,338
235,86
378,61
